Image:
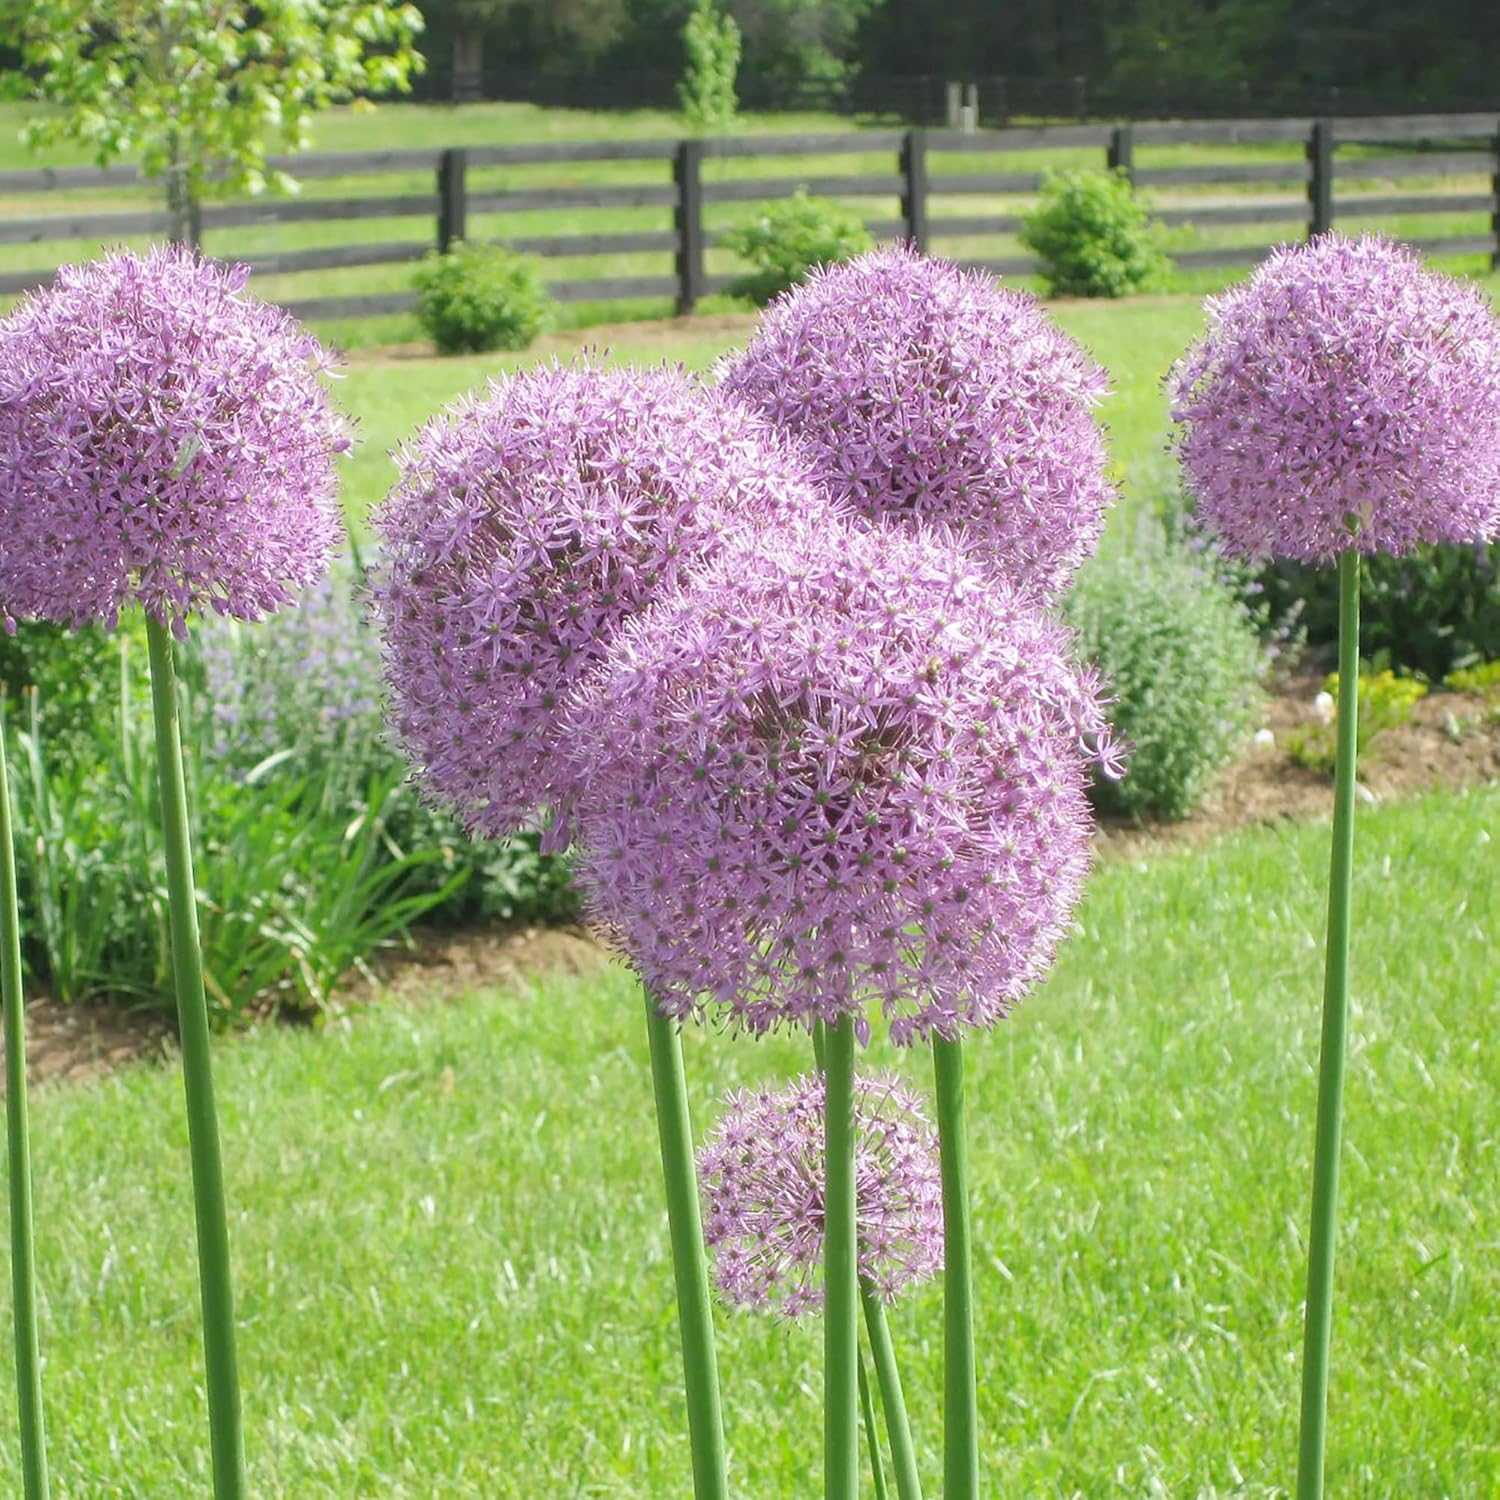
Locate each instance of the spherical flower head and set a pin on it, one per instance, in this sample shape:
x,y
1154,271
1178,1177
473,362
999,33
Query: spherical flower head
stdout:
x,y
840,767
527,525
762,1178
164,440
1344,396
928,394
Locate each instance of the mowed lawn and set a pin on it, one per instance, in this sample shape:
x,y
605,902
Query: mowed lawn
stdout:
x,y
451,1253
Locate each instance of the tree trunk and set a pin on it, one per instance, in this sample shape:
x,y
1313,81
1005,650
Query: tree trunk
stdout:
x,y
468,64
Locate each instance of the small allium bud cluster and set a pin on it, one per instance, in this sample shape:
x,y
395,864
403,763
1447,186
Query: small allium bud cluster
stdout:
x,y
928,394
526,527
1344,396
840,767
165,441
762,1180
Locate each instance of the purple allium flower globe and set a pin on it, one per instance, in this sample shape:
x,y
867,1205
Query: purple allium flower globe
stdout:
x,y
927,393
525,528
841,766
165,441
762,1181
1343,396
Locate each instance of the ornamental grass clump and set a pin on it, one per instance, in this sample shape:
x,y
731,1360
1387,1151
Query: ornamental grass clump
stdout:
x,y
1344,401
169,443
526,526
924,393
762,1177
844,769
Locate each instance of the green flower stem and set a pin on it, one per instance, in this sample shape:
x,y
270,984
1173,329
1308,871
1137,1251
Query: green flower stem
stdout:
x,y
1324,1231
840,1278
689,1259
898,1428
225,1430
18,1141
872,1432
960,1391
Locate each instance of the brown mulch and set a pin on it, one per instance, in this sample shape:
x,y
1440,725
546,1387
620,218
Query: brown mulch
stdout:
x,y
1450,742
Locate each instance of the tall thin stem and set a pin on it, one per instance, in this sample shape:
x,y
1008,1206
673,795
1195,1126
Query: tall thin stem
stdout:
x,y
1324,1231
892,1398
840,1276
960,1391
18,1141
872,1432
222,1370
689,1259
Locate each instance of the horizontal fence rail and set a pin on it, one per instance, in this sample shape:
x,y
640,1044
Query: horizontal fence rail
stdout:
x,y
661,235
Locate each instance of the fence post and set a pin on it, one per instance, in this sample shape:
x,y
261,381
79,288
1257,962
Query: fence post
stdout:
x,y
1122,151
914,197
453,204
1495,204
1320,181
687,173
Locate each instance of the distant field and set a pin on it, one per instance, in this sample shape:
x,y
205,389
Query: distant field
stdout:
x,y
408,125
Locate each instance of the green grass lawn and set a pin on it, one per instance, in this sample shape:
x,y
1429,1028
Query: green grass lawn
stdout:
x,y
451,1254
1136,340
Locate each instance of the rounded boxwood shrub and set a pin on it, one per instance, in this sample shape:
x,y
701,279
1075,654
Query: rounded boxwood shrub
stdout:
x,y
473,298
786,240
1093,236
1183,659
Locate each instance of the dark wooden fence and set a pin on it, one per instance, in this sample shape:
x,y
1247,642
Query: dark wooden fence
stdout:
x,y
932,178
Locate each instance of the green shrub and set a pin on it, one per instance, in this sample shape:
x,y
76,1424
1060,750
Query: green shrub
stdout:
x,y
786,239
474,298
1093,236
1433,613
1182,657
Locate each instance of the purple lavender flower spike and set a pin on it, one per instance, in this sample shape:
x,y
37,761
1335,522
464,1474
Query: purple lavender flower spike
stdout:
x,y
928,394
761,1176
527,525
165,441
840,767
1343,396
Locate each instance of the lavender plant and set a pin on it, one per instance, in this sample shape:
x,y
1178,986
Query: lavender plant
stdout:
x,y
526,528
1344,402
841,769
167,442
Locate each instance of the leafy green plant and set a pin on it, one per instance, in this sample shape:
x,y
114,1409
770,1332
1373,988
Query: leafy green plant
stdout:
x,y
1182,658
1094,237
473,298
786,239
706,90
1433,612
1384,700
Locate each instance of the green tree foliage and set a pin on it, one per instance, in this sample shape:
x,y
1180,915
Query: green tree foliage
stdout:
x,y
200,90
712,43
